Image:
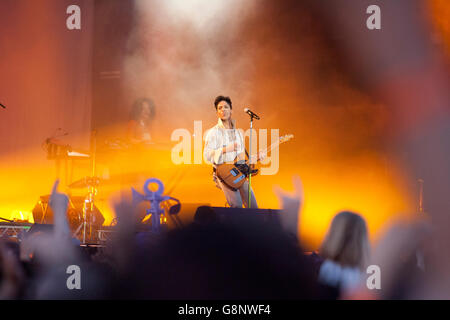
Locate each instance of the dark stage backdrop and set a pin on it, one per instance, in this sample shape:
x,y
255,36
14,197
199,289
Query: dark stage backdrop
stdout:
x,y
45,83
45,73
112,26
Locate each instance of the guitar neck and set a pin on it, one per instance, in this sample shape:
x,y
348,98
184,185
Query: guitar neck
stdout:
x,y
273,146
281,140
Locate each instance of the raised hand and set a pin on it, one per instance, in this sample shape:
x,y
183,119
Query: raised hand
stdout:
x,y
291,204
122,245
13,276
59,203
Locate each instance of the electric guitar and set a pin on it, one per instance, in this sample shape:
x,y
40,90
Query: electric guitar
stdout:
x,y
233,175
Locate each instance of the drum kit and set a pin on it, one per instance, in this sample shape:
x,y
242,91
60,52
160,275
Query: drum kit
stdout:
x,y
84,217
89,217
88,220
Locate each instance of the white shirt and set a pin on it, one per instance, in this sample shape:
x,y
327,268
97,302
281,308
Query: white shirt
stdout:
x,y
219,137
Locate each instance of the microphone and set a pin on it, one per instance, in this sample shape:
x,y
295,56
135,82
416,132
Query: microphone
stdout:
x,y
251,113
2,106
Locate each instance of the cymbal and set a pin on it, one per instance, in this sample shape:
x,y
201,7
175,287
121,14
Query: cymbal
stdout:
x,y
116,179
78,155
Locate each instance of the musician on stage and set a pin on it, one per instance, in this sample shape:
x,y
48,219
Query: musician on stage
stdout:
x,y
139,126
224,143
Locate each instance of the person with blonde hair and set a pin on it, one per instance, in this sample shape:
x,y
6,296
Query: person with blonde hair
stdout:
x,y
345,251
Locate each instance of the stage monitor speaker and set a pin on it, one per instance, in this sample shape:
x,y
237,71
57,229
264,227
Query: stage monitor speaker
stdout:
x,y
206,214
43,214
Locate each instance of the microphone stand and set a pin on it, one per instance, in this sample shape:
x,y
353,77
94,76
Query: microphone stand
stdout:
x,y
250,162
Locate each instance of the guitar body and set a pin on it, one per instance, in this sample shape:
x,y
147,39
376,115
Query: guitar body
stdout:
x,y
233,175
230,175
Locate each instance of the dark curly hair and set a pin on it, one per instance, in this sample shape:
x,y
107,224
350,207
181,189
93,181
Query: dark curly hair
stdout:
x,y
136,109
222,98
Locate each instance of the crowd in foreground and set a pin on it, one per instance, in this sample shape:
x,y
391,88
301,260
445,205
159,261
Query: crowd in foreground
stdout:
x,y
215,258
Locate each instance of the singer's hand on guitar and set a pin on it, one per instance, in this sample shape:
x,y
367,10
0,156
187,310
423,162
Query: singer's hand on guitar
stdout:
x,y
262,155
257,157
